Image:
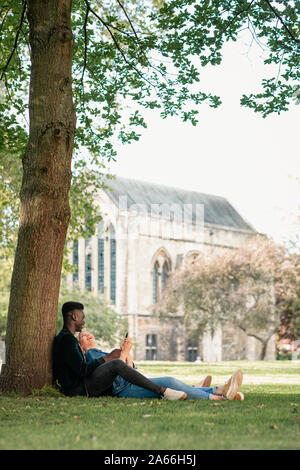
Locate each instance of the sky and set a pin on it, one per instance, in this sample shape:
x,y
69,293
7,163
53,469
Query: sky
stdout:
x,y
232,152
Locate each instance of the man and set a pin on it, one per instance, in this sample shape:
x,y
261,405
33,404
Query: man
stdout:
x,y
123,389
75,376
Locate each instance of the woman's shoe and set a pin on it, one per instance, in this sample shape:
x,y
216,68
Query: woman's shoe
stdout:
x,y
233,384
205,382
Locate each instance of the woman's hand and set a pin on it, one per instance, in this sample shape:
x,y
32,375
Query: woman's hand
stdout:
x,y
127,345
125,349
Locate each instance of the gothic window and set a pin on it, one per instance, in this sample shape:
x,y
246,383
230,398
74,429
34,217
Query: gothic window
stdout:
x,y
155,283
113,248
151,347
160,273
75,261
164,274
88,264
100,259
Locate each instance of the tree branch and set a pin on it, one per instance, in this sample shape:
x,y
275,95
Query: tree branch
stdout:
x,y
281,21
237,14
16,40
138,40
107,26
4,19
85,48
133,29
255,335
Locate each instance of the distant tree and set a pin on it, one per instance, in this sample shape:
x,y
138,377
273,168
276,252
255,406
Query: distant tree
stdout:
x,y
290,323
248,287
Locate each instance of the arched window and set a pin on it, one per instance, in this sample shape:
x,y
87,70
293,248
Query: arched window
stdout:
x,y
113,252
88,264
100,259
155,283
75,261
160,273
164,274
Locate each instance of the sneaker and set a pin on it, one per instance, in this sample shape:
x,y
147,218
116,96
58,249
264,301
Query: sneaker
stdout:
x,y
171,394
239,396
233,384
205,382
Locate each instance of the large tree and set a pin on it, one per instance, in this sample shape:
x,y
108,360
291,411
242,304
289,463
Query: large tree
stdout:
x,y
106,60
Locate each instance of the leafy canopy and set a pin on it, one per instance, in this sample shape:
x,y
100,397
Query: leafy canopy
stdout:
x,y
133,55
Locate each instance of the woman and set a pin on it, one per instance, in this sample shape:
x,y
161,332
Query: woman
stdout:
x,y
123,389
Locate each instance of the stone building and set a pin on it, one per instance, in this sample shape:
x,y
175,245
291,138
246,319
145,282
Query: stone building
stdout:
x,y
147,231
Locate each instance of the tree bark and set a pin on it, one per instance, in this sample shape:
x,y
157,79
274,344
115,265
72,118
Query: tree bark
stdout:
x,y
263,340
263,350
45,210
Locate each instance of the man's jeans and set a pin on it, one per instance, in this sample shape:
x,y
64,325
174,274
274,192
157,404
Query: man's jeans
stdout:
x,y
193,393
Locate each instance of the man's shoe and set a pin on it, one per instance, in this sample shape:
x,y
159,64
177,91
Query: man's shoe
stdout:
x,y
239,396
233,384
171,394
205,383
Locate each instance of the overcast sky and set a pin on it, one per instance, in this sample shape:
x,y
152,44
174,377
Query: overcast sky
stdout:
x,y
232,152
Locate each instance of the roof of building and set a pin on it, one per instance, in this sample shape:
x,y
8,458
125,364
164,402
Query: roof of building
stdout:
x,y
217,210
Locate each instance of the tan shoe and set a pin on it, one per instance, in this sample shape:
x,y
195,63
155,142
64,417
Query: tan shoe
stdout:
x,y
239,396
205,382
233,384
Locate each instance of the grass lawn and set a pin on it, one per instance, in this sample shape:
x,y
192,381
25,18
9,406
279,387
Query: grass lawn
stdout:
x,y
269,418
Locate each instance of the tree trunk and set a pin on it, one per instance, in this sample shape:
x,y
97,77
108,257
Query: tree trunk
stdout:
x,y
263,350
45,210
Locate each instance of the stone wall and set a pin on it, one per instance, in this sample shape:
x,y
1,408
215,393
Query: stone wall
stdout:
x,y
170,344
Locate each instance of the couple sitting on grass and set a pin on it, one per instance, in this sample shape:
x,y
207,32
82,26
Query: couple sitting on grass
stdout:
x,y
79,368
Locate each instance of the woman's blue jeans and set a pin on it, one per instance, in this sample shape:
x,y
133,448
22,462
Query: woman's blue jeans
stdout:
x,y
193,393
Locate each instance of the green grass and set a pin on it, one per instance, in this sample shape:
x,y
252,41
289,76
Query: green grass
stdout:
x,y
269,418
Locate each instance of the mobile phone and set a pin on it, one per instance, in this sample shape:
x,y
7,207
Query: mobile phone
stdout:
x,y
126,335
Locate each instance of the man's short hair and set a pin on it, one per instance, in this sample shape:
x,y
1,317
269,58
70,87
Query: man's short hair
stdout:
x,y
70,306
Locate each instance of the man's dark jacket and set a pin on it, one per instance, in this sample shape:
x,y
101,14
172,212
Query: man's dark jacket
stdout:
x,y
69,365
